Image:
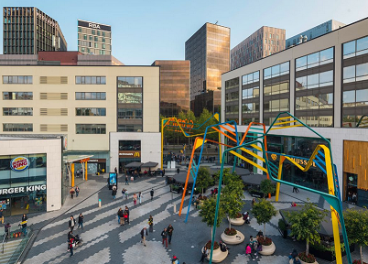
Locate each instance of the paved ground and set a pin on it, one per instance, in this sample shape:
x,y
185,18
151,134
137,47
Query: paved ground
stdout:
x,y
104,241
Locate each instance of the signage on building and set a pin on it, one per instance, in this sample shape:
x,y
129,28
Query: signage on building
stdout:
x,y
23,189
19,163
130,154
93,25
47,19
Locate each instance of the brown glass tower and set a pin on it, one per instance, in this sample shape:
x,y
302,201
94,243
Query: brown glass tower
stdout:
x,y
28,30
208,51
174,86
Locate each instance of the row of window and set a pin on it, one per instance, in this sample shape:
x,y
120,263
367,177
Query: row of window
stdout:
x,y
90,79
355,73
28,111
80,128
314,80
276,70
250,78
78,96
17,79
355,48
315,59
318,101
99,33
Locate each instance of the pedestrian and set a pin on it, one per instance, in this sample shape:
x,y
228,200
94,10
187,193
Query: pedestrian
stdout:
x,y
125,216
260,233
140,197
204,254
77,190
254,246
116,171
295,189
170,230
253,202
150,223
72,192
297,260
175,260
248,251
2,216
152,192
24,224
127,212
126,194
71,223
118,214
164,237
223,247
126,180
144,234
114,190
70,243
80,221
7,230
135,199
122,219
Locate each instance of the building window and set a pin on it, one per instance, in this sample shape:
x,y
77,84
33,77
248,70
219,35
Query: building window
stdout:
x,y
251,78
355,73
130,82
96,38
355,47
17,79
130,98
17,96
130,128
90,128
315,59
18,111
130,113
90,96
90,111
90,79
15,127
84,36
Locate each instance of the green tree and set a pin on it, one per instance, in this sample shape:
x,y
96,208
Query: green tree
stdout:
x,y
204,179
306,223
208,211
356,224
263,211
206,115
227,176
267,187
231,199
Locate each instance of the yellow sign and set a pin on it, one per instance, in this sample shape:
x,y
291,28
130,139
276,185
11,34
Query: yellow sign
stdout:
x,y
137,154
302,161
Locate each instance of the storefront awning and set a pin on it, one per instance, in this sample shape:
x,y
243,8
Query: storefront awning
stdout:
x,y
77,158
149,164
254,179
133,165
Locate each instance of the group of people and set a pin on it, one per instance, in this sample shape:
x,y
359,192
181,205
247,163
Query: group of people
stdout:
x,y
254,246
73,240
123,216
22,224
75,191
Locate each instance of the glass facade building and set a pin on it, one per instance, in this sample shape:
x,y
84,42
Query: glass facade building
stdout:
x,y
250,98
232,100
28,30
174,87
94,38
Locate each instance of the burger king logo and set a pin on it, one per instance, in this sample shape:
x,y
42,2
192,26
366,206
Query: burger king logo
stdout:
x,y
19,164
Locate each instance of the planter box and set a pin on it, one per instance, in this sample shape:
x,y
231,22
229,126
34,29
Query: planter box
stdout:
x,y
233,240
237,221
327,255
217,256
268,250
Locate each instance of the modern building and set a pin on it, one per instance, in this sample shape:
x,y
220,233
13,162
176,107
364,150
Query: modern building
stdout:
x,y
28,30
208,51
262,43
94,38
210,100
86,104
174,86
313,33
324,83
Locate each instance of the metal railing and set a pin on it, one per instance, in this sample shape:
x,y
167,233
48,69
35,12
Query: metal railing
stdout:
x,y
3,244
22,245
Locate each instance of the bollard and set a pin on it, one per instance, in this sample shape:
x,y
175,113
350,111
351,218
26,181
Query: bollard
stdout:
x,y
174,208
99,202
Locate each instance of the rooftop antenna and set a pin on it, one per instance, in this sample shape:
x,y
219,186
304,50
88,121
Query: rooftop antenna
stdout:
x,y
216,22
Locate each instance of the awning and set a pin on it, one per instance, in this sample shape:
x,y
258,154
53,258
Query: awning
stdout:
x,y
149,164
133,165
254,179
76,158
182,177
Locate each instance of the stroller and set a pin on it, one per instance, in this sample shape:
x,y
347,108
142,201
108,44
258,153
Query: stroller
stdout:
x,y
246,218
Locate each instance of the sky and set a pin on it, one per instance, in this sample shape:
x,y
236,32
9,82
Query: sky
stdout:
x,y
144,30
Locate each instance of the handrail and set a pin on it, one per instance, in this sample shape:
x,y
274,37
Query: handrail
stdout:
x,y
20,248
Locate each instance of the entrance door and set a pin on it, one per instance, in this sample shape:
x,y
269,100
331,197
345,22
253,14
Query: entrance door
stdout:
x,y
352,190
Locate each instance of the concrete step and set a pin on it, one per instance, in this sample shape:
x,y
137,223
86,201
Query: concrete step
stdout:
x,y
9,249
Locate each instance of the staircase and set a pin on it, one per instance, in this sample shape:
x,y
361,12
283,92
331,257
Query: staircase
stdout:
x,y
9,249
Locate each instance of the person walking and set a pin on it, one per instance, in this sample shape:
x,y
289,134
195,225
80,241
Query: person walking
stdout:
x,y
122,219
135,199
114,190
204,254
71,192
152,192
71,223
150,223
144,235
253,202
127,212
170,230
24,224
126,180
140,197
80,221
119,214
77,190
2,216
164,237
7,230
295,189
70,246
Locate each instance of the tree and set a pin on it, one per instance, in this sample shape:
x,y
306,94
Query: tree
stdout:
x,y
204,179
267,187
306,223
208,211
263,211
206,116
227,176
356,224
231,199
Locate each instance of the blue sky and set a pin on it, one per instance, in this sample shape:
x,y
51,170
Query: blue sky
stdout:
x,y
144,30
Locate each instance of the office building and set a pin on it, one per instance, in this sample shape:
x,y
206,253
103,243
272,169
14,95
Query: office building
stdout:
x,y
313,33
94,38
208,51
262,43
174,86
28,30
324,83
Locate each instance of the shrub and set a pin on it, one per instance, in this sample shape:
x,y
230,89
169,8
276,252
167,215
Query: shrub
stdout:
x,y
282,225
309,259
215,246
265,241
230,232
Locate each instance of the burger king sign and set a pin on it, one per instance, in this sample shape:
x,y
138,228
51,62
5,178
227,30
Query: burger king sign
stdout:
x,y
19,164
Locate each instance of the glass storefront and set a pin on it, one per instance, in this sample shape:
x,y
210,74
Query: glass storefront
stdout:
x,y
23,183
129,151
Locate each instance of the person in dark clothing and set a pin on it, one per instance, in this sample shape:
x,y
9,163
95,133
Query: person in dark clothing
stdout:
x,y
70,244
260,233
119,214
71,223
114,191
152,192
170,230
204,254
7,230
293,254
80,221
24,224
150,223
127,212
164,237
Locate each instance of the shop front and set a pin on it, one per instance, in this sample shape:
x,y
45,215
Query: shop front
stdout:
x,y
129,151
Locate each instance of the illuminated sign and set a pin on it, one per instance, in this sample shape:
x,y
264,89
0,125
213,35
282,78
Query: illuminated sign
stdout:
x,y
19,164
127,154
23,189
93,25
302,162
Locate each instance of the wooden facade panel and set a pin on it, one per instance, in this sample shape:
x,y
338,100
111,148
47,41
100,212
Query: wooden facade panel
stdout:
x,y
356,161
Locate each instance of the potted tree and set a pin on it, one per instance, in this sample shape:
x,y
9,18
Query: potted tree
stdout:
x,y
227,176
208,216
267,188
356,223
263,211
304,226
204,180
231,202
